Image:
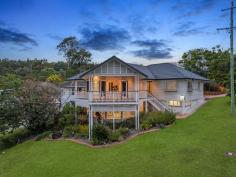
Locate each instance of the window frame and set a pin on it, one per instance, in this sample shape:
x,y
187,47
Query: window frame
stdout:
x,y
190,89
175,103
170,89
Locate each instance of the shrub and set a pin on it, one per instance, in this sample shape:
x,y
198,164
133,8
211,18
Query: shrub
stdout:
x,y
123,131
11,139
68,131
83,131
43,135
100,134
114,136
145,125
68,109
169,118
153,119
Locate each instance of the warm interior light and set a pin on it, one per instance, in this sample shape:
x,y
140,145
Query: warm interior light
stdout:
x,y
175,103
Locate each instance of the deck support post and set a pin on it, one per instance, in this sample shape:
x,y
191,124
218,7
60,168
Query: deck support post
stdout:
x,y
146,107
113,119
89,121
136,118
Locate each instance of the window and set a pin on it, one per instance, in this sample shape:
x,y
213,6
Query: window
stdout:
x,y
171,85
190,86
175,103
73,91
116,115
199,85
87,85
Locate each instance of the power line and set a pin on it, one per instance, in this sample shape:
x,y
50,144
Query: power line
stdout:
x,y
231,31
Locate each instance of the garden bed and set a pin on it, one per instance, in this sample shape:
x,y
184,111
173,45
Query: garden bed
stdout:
x,y
131,136
103,135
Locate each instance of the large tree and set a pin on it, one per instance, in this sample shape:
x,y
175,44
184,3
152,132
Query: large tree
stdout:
x,y
74,55
213,64
39,104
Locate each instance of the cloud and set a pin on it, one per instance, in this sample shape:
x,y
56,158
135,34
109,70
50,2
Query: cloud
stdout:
x,y
140,24
55,37
152,49
189,28
193,8
104,38
17,38
150,43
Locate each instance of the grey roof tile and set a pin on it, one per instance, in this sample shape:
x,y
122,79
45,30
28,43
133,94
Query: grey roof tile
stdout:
x,y
160,71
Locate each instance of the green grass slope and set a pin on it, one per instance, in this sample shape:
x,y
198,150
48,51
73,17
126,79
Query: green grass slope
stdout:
x,y
193,147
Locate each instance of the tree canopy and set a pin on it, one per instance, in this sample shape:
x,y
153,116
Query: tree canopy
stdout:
x,y
69,48
213,64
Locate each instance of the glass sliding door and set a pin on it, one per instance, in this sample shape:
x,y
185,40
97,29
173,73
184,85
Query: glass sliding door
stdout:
x,y
102,88
124,88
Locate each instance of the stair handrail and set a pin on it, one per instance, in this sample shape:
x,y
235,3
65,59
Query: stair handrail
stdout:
x,y
160,103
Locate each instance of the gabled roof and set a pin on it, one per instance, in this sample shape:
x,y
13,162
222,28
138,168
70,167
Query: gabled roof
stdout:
x,y
117,59
162,71
171,71
77,76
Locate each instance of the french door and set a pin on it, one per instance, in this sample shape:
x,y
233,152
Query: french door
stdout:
x,y
124,88
102,88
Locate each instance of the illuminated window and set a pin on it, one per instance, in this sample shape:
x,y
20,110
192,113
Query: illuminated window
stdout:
x,y
171,85
175,103
117,115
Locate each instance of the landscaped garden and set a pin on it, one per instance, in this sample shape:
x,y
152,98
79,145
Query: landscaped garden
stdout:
x,y
191,147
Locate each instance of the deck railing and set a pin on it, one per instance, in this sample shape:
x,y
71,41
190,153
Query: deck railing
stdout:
x,y
114,96
107,96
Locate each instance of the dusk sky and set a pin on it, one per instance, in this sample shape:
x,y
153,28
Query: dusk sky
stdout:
x,y
138,31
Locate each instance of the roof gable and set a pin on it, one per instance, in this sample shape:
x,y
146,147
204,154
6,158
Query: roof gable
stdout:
x,y
113,66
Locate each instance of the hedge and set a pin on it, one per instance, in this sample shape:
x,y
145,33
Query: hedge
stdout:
x,y
154,119
10,139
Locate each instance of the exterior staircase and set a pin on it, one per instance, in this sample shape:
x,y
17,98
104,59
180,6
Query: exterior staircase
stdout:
x,y
158,104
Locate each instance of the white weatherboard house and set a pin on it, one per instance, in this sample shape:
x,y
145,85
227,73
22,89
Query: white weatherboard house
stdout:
x,y
117,90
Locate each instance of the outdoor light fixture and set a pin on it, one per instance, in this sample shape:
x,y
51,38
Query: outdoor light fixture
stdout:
x,y
182,97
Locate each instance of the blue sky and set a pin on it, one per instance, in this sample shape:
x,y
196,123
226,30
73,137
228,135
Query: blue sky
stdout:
x,y
138,31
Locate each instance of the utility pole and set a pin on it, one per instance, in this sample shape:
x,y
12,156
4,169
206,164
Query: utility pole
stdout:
x,y
231,31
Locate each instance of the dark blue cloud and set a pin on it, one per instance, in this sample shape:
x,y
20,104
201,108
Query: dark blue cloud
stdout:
x,y
152,49
141,24
55,37
104,38
18,38
150,43
192,8
189,28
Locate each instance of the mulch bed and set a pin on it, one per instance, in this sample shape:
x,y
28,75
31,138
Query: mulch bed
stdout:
x,y
133,134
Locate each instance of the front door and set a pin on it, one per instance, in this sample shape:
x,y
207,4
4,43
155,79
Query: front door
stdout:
x,y
102,88
124,88
149,87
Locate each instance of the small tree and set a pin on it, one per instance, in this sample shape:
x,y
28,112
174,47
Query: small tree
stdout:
x,y
10,81
55,78
10,112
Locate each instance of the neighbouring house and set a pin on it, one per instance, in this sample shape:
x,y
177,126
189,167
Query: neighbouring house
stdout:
x,y
116,90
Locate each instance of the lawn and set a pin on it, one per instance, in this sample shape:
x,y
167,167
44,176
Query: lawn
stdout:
x,y
191,147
